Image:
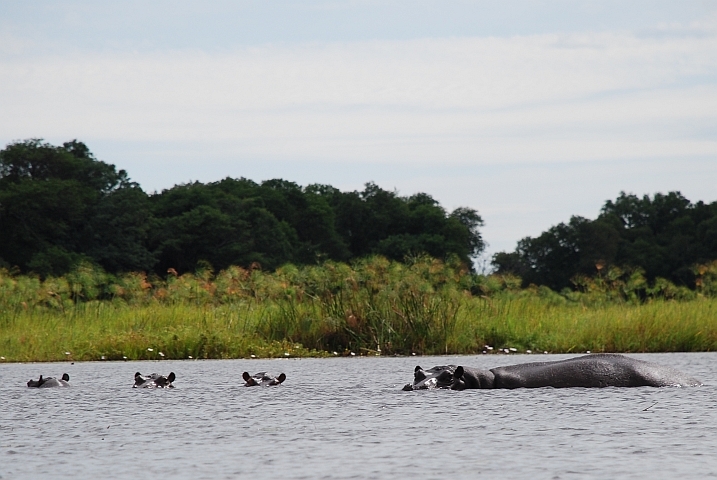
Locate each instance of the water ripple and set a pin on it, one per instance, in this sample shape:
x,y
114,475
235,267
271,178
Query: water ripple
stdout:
x,y
347,418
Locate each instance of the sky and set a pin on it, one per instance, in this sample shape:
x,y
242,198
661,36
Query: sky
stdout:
x,y
527,111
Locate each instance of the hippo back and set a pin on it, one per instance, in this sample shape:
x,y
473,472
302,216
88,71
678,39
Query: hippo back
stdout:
x,y
595,370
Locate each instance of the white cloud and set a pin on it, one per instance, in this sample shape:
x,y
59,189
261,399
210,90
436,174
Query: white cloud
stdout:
x,y
469,100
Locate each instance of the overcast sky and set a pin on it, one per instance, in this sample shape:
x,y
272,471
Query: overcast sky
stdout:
x,y
527,111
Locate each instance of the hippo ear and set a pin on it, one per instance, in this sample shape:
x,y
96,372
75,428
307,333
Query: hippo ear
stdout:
x,y
281,378
459,372
171,377
250,382
65,377
418,367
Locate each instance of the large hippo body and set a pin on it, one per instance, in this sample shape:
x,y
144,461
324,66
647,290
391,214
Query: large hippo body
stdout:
x,y
50,382
595,370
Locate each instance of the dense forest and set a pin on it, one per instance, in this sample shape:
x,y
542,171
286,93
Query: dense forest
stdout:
x,y
60,207
660,237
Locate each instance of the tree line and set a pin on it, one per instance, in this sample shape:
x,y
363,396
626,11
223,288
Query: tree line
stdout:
x,y
665,236
60,207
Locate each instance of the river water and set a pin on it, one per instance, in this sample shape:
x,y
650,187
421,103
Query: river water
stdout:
x,y
348,418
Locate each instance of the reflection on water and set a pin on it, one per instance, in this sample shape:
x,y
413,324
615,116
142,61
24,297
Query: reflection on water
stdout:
x,y
348,418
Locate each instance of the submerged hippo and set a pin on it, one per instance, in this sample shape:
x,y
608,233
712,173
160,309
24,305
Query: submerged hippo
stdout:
x,y
595,370
262,379
50,382
154,380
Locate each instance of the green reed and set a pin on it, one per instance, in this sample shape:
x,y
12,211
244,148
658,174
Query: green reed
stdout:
x,y
530,323
371,307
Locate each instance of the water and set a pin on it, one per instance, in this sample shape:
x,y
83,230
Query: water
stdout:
x,y
348,418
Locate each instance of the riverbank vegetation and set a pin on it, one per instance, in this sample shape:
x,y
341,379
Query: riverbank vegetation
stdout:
x,y
374,306
92,267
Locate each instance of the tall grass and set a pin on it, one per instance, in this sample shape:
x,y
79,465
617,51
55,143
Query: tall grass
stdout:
x,y
532,323
371,307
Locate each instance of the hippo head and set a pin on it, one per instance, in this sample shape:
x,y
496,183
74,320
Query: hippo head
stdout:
x,y
165,382
50,382
36,383
262,379
153,381
436,377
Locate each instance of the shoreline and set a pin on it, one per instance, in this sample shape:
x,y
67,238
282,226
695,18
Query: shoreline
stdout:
x,y
356,358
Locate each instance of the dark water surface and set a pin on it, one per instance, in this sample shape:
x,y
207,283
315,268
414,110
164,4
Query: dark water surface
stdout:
x,y
348,418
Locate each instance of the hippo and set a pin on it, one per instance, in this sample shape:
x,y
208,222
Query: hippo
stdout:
x,y
153,381
263,379
594,370
50,382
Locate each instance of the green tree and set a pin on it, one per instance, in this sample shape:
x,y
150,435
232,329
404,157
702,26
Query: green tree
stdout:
x,y
223,223
49,199
59,206
663,235
377,221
